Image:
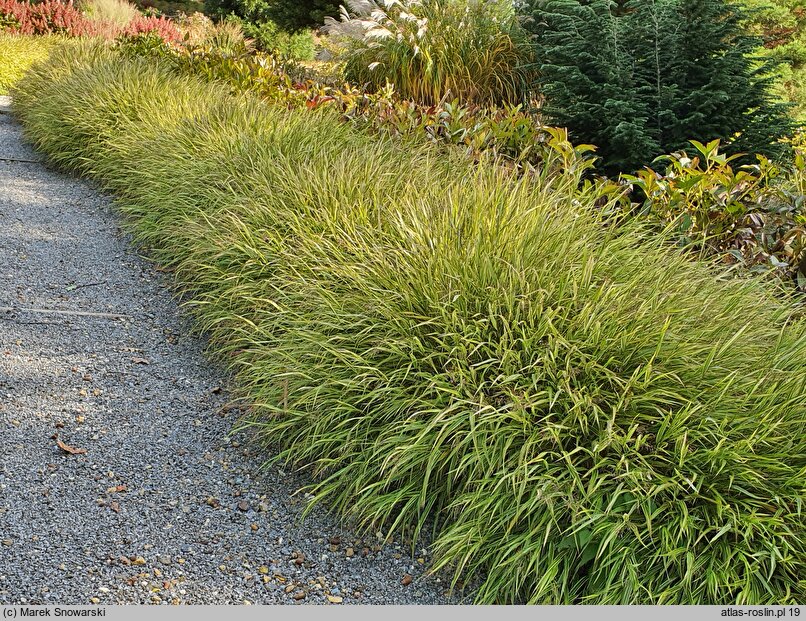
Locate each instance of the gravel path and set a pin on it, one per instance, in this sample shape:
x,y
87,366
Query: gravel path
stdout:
x,y
162,506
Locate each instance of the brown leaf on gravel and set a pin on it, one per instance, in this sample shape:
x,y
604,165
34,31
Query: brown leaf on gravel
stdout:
x,y
406,580
136,360
117,488
114,506
70,449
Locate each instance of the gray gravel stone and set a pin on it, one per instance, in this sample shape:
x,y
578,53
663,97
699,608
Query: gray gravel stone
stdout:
x,y
132,520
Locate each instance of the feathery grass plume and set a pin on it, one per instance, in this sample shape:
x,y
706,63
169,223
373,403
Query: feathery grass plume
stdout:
x,y
473,50
584,414
118,12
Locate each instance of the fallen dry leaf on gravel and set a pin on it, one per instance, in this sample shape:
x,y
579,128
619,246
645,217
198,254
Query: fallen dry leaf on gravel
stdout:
x,y
70,449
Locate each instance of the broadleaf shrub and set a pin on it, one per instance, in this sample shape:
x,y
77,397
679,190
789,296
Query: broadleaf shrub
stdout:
x,y
753,214
270,38
584,414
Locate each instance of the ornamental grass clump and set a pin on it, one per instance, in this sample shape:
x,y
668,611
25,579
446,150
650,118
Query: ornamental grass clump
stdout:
x,y
117,12
581,414
18,53
471,50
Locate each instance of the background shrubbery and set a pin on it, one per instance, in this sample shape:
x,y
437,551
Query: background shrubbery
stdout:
x,y
258,18
296,15
289,15
585,414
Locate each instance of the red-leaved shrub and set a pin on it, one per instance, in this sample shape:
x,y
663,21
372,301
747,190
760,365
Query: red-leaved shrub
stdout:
x,y
48,17
160,26
64,18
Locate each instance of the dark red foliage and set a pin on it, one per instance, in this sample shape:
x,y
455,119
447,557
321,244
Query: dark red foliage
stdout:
x,y
64,18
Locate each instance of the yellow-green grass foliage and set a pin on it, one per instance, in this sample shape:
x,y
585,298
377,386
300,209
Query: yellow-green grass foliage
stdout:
x,y
581,413
17,54
118,12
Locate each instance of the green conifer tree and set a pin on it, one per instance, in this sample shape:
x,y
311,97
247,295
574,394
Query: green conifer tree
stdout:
x,y
588,81
640,78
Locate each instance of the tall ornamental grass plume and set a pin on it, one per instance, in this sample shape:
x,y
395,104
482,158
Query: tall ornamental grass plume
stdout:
x,y
118,12
473,50
578,412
